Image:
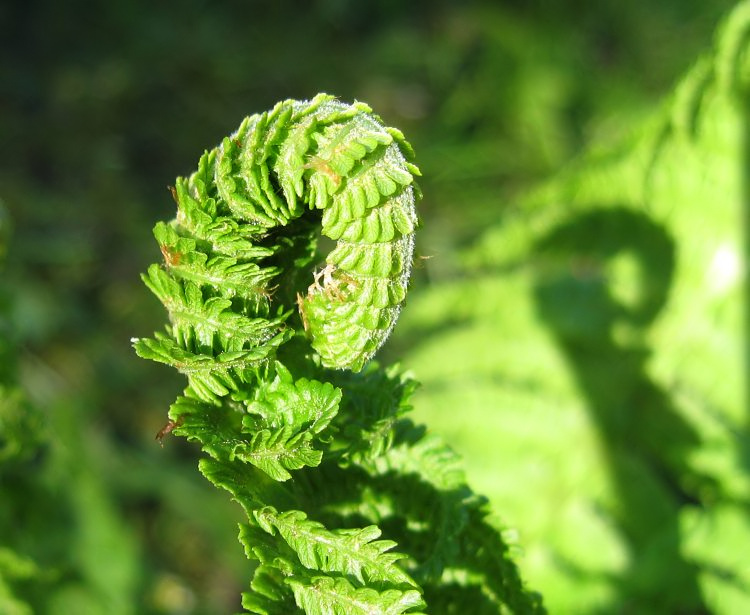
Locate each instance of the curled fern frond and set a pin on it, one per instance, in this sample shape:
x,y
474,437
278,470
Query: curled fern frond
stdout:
x,y
273,338
238,229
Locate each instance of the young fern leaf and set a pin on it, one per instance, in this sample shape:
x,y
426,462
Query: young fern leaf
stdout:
x,y
353,552
323,595
256,328
301,403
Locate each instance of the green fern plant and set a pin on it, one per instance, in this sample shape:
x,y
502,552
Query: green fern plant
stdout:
x,y
275,340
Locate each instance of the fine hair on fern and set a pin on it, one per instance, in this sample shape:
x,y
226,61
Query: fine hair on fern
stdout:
x,y
350,507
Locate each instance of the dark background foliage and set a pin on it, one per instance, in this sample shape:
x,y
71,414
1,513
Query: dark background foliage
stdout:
x,y
103,104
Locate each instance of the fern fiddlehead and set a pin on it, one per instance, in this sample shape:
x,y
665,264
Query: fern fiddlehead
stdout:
x,y
260,332
319,156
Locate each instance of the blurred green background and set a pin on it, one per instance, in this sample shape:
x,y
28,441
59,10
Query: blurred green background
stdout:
x,y
523,355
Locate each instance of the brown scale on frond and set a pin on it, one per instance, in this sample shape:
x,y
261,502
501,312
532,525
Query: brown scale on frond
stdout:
x,y
333,287
321,165
167,429
172,258
267,293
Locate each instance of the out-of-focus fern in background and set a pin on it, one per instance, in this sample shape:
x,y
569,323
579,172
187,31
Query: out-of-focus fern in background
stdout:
x,y
579,327
599,331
